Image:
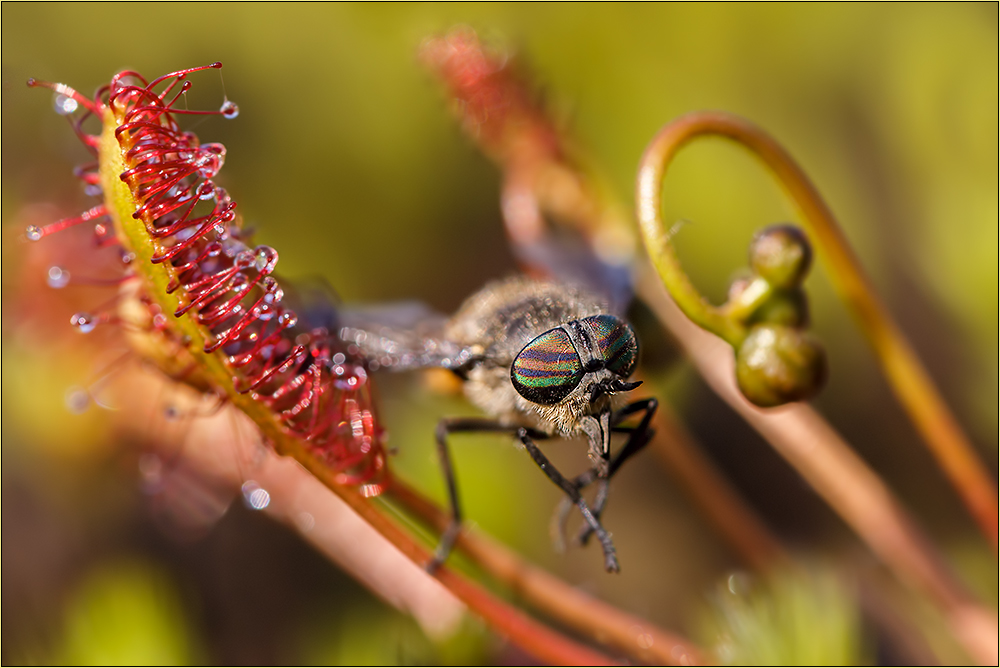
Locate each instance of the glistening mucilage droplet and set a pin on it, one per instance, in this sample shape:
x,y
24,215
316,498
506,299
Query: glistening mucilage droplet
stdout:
x,y
84,322
229,110
57,277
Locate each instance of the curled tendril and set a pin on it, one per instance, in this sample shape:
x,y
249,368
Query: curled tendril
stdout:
x,y
766,315
907,376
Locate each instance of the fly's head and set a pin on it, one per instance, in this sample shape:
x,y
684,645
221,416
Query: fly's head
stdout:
x,y
571,374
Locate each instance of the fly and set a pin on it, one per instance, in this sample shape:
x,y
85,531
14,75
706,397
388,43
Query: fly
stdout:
x,y
543,360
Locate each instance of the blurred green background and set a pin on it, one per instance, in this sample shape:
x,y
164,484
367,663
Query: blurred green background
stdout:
x,y
346,160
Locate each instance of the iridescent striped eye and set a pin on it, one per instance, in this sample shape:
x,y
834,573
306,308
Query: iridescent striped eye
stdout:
x,y
547,369
616,342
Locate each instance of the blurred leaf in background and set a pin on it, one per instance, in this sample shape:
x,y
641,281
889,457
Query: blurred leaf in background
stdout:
x,y
367,635
126,614
790,619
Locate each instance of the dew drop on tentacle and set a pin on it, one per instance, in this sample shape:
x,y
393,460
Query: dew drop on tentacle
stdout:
x,y
33,232
254,496
206,191
348,377
240,282
65,105
151,471
264,312
265,257
273,290
77,400
229,110
84,322
57,277
245,259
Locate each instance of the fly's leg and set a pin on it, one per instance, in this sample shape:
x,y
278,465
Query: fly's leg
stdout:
x,y
610,560
451,426
639,437
637,440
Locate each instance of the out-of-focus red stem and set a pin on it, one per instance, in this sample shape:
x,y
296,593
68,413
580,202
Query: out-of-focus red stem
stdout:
x,y
628,633
530,635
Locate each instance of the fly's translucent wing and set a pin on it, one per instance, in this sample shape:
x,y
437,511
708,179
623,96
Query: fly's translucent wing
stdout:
x,y
400,336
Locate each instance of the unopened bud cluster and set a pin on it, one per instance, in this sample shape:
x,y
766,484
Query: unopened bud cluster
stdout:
x,y
778,361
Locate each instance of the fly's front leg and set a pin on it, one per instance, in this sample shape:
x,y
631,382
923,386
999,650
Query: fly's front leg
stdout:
x,y
639,437
450,426
637,440
610,559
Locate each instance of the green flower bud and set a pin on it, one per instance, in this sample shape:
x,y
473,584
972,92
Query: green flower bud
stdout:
x,y
777,364
783,307
781,255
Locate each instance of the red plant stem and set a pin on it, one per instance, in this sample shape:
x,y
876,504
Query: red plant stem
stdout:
x,y
907,376
604,623
530,635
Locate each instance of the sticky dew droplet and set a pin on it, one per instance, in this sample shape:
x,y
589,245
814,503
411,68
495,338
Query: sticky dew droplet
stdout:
x,y
84,322
57,277
77,400
151,471
262,256
206,191
229,110
65,105
254,496
245,259
34,232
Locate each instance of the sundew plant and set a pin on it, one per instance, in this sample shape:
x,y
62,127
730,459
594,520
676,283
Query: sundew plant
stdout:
x,y
804,250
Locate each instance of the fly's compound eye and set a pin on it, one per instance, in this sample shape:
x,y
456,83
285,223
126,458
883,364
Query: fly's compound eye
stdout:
x,y
616,342
547,369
